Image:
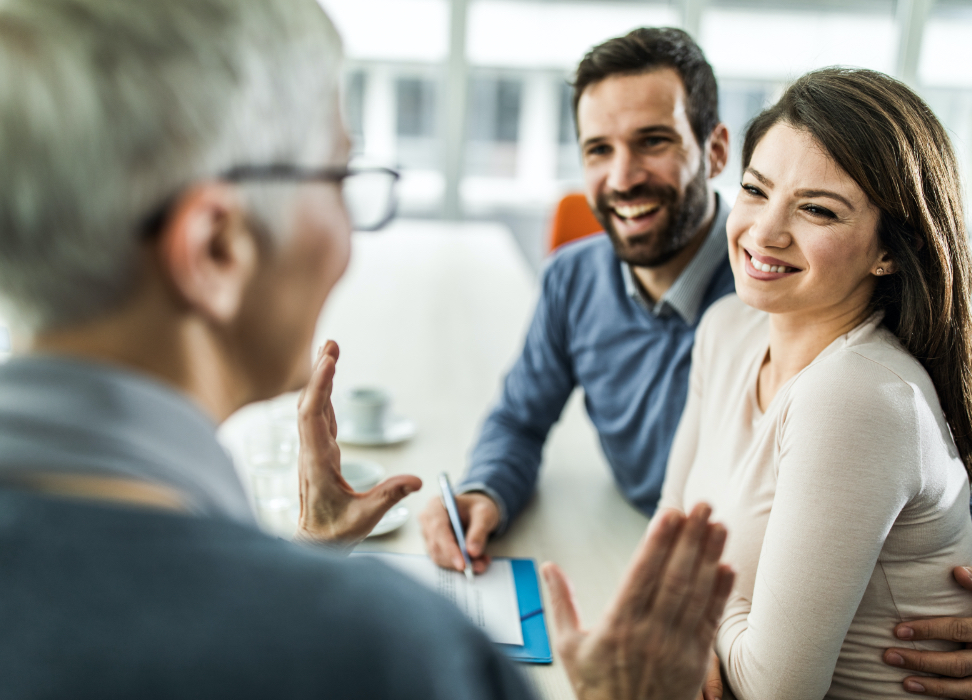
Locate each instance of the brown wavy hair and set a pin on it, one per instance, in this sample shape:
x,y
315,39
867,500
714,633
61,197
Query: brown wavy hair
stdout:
x,y
652,48
888,140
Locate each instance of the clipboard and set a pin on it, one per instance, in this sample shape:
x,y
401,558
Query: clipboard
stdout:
x,y
536,643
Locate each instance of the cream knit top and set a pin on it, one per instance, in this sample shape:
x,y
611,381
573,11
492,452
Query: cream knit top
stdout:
x,y
846,505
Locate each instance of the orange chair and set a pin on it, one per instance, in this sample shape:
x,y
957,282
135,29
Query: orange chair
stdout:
x,y
572,219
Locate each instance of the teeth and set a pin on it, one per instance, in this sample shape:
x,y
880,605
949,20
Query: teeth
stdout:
x,y
763,267
633,212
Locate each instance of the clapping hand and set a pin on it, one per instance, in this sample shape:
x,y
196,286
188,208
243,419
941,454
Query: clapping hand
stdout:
x,y
330,510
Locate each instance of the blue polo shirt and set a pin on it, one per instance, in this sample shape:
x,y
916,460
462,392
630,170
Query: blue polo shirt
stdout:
x,y
594,328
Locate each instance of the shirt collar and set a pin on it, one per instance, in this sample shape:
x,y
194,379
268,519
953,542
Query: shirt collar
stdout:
x,y
685,296
71,416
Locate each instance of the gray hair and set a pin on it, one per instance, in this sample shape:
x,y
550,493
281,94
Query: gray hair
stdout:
x,y
109,108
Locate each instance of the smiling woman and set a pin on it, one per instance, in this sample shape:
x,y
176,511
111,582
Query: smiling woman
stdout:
x,y
834,391
884,144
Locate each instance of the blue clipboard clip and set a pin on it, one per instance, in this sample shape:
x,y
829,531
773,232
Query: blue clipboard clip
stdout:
x,y
536,643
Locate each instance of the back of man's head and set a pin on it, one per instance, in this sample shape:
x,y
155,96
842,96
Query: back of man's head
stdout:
x,y
651,48
110,108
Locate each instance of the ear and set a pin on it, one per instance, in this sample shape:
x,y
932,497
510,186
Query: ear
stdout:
x,y
884,265
207,252
717,149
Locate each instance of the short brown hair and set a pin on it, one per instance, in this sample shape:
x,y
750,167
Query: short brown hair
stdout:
x,y
887,139
650,48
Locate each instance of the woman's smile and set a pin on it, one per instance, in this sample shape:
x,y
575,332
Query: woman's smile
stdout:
x,y
799,217
765,268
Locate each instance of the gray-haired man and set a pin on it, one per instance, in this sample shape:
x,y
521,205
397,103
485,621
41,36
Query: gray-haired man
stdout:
x,y
171,223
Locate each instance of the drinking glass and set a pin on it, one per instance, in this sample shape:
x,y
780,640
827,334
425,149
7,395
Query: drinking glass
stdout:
x,y
272,451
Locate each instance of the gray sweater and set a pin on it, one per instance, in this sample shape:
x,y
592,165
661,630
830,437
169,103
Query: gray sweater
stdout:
x,y
108,602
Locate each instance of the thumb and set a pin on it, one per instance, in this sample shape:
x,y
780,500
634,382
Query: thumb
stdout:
x,y
378,500
712,688
478,532
566,617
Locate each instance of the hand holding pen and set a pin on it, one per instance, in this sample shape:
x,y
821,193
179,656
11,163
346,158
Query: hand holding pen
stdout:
x,y
478,515
450,504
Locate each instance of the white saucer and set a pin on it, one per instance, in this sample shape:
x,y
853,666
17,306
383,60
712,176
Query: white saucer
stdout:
x,y
397,429
392,520
361,474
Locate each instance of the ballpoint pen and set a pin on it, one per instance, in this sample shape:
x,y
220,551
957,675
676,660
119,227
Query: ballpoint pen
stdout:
x,y
450,504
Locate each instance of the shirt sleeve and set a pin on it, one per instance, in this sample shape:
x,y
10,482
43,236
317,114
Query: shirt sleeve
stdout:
x,y
849,460
506,459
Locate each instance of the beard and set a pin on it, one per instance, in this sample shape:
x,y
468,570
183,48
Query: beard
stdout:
x,y
684,214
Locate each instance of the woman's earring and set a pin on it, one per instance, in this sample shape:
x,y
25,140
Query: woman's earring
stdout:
x,y
879,271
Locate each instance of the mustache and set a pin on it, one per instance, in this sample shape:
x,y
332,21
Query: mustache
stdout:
x,y
664,194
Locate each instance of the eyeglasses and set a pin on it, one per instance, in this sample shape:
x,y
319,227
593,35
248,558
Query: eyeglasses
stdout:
x,y
369,193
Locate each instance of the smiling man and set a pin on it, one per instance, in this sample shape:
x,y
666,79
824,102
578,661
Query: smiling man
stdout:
x,y
618,311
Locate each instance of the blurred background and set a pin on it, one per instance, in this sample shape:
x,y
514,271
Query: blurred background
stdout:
x,y
471,98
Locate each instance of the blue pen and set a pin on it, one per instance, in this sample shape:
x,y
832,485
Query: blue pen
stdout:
x,y
450,504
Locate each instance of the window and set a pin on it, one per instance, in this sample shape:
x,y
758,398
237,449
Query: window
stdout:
x,y
417,143
493,125
568,154
354,89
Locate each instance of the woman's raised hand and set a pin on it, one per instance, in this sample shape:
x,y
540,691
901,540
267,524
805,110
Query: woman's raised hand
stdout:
x,y
655,642
330,510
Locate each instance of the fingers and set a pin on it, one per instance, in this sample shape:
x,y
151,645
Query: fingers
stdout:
x,y
957,664
963,574
699,593
362,511
331,419
641,579
566,617
440,543
480,564
679,580
382,497
317,394
481,516
314,408
483,519
712,688
939,687
953,629
720,595
334,513
331,348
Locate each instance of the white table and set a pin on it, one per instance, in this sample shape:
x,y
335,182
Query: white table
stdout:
x,y
435,312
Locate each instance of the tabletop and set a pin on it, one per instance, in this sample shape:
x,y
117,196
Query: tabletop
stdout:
x,y
435,313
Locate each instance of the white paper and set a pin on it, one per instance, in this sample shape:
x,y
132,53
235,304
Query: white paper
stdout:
x,y
489,601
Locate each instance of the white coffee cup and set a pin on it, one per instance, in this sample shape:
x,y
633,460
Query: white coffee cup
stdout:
x,y
366,409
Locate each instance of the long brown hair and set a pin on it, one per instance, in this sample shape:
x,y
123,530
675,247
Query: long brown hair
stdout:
x,y
888,140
